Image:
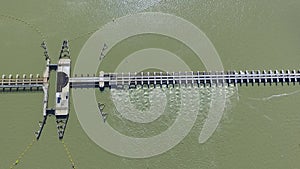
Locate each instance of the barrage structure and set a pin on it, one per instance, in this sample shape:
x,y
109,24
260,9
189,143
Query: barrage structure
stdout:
x,y
119,80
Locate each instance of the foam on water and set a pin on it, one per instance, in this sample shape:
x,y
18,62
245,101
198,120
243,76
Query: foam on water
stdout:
x,y
163,105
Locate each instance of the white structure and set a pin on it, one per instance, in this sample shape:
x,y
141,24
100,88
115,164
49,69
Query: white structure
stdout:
x,y
62,87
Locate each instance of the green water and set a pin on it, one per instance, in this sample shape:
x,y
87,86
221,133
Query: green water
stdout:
x,y
259,129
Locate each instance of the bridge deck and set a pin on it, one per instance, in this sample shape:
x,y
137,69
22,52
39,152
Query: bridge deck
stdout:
x,y
160,78
23,83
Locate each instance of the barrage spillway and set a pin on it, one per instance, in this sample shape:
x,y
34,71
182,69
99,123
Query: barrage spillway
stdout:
x,y
157,79
130,80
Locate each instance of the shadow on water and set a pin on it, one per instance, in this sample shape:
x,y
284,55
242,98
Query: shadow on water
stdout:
x,y
21,90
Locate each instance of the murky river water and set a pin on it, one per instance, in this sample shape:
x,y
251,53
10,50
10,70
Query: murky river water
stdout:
x,y
258,129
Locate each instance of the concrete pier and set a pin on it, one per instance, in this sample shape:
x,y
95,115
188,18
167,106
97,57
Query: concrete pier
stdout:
x,y
62,87
62,95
